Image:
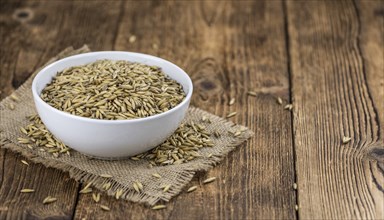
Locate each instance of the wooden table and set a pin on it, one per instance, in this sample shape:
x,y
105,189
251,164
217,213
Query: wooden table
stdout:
x,y
326,58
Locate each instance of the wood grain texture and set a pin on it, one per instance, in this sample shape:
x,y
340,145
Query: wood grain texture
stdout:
x,y
332,100
228,48
371,42
31,33
45,181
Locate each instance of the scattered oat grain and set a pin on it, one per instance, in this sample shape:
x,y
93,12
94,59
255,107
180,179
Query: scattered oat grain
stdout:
x,y
85,191
232,101
140,185
11,106
23,131
88,185
107,186
217,134
135,158
105,208
106,175
36,135
180,147
132,39
237,133
23,140
251,93
96,197
27,190
14,98
118,193
136,187
279,101
156,175
156,207
166,188
346,139
209,180
192,188
49,199
231,114
288,107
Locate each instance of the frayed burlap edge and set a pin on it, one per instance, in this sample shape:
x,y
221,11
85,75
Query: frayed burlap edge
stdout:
x,y
183,177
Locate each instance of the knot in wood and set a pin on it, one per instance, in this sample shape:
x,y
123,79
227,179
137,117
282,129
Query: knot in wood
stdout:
x,y
23,14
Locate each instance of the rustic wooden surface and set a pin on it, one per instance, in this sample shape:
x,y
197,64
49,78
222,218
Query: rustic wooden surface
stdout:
x,y
325,57
333,99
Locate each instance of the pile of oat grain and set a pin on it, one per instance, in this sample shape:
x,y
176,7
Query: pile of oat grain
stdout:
x,y
113,90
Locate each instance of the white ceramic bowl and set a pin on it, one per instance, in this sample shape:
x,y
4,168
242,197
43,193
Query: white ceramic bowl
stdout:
x,y
110,138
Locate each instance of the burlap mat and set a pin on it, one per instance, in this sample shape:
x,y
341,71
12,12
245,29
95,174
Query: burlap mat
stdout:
x,y
124,172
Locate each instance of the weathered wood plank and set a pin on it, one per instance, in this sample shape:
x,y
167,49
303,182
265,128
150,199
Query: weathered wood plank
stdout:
x,y
371,41
331,100
228,49
31,33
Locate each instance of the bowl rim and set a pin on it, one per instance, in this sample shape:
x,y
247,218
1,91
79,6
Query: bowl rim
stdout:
x,y
104,121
